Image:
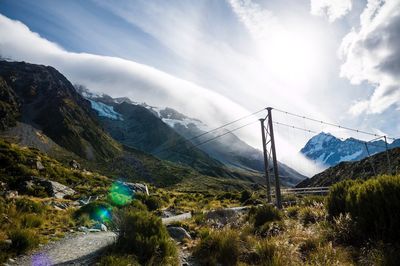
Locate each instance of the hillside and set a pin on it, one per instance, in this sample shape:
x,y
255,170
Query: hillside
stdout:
x,y
43,98
353,170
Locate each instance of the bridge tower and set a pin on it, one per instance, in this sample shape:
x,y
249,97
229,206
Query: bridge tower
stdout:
x,y
270,160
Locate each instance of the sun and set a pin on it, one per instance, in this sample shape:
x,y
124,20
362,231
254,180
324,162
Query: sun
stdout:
x,y
291,55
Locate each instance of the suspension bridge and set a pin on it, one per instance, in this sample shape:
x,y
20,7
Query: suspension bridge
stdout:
x,y
269,148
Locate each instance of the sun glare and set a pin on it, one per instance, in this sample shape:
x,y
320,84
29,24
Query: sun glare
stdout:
x,y
291,56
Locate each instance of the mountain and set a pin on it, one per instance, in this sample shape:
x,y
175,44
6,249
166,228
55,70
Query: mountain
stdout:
x,y
41,97
327,150
40,108
364,169
168,134
135,126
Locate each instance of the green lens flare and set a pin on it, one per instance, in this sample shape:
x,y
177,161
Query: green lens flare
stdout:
x,y
103,215
120,194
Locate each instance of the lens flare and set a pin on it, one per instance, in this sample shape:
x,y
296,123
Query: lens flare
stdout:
x,y
40,259
102,215
120,194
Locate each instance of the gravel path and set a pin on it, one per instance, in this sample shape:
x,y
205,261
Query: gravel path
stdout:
x,y
78,249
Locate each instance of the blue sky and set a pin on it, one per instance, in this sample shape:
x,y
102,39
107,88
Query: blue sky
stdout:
x,y
217,59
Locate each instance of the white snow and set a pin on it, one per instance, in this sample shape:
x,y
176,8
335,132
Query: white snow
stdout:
x,y
351,156
185,122
105,110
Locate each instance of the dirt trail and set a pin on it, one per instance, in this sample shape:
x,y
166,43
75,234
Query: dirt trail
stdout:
x,y
78,249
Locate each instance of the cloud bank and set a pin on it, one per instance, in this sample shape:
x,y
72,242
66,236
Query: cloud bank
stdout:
x,y
116,76
371,54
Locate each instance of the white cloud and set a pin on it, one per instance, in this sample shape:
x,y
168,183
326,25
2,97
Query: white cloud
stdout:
x,y
116,76
333,9
372,54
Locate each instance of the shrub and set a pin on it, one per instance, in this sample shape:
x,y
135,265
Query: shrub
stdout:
x,y
31,221
292,211
373,205
144,235
267,253
26,205
112,260
245,195
307,216
97,210
23,240
218,247
264,214
336,200
152,202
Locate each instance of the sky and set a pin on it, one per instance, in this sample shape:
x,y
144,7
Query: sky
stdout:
x,y
217,60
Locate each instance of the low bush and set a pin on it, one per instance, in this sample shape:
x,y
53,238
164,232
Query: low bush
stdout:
x,y
23,240
97,210
152,202
373,205
245,195
143,234
31,220
336,200
292,211
218,247
263,214
120,260
26,205
267,253
307,216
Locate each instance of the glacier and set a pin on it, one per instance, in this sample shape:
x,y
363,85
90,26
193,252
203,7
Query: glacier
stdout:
x,y
105,110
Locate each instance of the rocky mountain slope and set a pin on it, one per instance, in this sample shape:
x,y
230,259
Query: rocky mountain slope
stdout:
x,y
43,98
364,169
327,150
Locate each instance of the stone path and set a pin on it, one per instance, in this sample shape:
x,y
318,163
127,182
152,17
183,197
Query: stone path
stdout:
x,y
78,249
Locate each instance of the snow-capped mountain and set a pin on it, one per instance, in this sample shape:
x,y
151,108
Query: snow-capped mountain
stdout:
x,y
329,150
158,131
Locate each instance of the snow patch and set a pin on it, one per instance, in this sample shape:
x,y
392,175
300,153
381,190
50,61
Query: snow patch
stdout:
x,y
105,110
350,157
185,122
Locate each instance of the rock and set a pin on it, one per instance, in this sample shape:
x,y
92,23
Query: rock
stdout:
x,y
137,187
101,227
83,229
52,188
10,194
91,230
39,166
178,233
74,164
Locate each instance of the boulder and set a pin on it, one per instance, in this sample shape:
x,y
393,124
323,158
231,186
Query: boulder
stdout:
x,y
178,233
52,188
137,187
74,164
39,166
101,227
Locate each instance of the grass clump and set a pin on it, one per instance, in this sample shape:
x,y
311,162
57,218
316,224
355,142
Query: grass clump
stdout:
x,y
119,260
263,214
142,234
373,205
218,247
22,240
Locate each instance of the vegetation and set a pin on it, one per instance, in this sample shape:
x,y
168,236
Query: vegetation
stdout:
x,y
372,204
143,235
